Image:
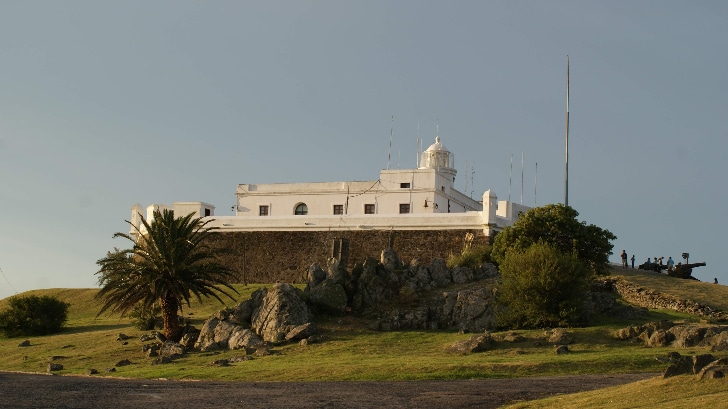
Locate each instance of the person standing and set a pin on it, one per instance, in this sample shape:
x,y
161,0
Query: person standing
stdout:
x,y
670,264
632,260
624,259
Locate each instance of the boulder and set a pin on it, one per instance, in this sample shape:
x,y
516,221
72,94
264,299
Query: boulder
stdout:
x,y
243,338
476,343
171,349
469,310
559,336
440,274
54,367
375,285
302,332
216,334
715,369
561,349
25,343
315,276
687,336
660,338
461,275
334,271
123,362
390,260
282,309
329,296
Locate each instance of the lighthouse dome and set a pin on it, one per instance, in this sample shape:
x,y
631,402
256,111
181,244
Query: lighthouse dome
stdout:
x,y
437,157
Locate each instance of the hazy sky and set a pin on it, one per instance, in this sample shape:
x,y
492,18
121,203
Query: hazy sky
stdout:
x,y
104,104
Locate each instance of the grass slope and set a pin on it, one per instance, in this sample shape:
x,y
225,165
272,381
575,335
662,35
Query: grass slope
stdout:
x,y
351,352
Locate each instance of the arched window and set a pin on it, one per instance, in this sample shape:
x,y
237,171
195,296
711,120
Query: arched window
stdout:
x,y
301,209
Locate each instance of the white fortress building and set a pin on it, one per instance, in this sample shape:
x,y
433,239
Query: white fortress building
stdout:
x,y
424,198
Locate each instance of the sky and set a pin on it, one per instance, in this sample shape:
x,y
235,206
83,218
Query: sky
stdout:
x,y
104,104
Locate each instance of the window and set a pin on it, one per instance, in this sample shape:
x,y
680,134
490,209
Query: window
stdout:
x,y
404,208
338,209
263,210
208,212
301,209
404,185
368,209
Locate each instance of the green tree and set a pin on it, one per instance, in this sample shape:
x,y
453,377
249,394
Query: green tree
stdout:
x,y
557,225
541,286
169,262
33,315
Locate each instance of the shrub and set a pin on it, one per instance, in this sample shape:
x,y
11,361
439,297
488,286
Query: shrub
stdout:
x,y
471,257
33,315
145,318
541,287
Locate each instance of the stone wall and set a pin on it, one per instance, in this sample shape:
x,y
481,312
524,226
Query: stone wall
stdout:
x,y
285,256
644,297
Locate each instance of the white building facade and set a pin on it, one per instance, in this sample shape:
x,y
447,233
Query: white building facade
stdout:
x,y
405,199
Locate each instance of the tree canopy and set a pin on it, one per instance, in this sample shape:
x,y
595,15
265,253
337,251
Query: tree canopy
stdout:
x,y
168,264
557,226
542,287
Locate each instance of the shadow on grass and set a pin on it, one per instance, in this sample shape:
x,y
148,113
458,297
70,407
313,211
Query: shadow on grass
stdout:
x,y
93,328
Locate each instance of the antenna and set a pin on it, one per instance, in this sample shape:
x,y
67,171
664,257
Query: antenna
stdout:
x,y
566,175
521,177
535,186
466,178
417,147
472,184
510,177
389,152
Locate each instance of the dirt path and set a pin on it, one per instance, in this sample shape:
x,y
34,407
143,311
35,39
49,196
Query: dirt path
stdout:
x,y
46,391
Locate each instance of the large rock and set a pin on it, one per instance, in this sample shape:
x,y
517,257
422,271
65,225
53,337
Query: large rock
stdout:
x,y
461,275
390,260
329,296
559,336
315,276
687,336
476,343
282,309
469,310
171,349
216,334
660,338
375,285
441,276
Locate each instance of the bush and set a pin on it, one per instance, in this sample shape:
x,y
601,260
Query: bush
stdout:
x,y
541,287
33,315
144,318
472,257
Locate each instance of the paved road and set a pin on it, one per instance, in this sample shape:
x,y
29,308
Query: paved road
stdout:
x,y
48,391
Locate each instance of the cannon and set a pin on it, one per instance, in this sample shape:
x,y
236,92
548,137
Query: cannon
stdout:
x,y
684,270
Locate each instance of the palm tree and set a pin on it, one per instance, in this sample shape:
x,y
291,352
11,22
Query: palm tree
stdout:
x,y
168,263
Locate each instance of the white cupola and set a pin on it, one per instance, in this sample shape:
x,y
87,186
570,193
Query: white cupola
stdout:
x,y
437,157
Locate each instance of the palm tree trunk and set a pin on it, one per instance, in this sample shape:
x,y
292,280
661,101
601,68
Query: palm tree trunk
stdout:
x,y
170,318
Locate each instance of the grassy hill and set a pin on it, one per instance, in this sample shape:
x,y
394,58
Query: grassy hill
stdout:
x,y
351,352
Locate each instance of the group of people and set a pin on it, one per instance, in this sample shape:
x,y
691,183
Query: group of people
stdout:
x,y
669,264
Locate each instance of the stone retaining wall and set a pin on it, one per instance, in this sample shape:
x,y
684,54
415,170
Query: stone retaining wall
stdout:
x,y
285,256
652,299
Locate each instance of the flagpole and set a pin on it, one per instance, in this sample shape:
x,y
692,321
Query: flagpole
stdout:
x,y
566,176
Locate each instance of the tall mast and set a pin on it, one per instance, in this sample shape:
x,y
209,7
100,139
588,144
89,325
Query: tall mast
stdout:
x,y
389,152
521,177
566,176
510,179
535,186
